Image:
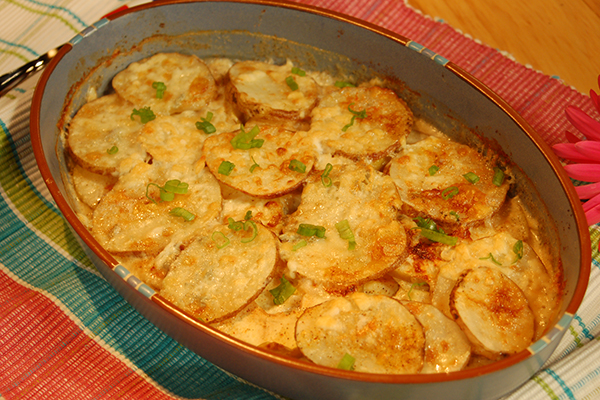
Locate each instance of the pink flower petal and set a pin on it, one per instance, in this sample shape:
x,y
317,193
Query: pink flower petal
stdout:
x,y
589,148
593,216
570,152
595,99
591,203
571,137
588,191
584,172
584,123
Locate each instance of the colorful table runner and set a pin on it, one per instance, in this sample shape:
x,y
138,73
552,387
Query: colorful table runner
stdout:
x,y
66,334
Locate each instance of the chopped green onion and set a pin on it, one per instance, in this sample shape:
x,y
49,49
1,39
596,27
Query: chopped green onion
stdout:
x,y
311,230
160,89
113,150
429,230
297,166
325,179
298,71
291,83
471,177
226,167
253,166
427,224
433,169
183,213
222,240
145,114
455,215
282,292
235,225
249,223
245,140
176,186
498,178
355,114
347,362
518,250
412,286
343,84
248,215
205,124
449,192
299,245
343,228
491,257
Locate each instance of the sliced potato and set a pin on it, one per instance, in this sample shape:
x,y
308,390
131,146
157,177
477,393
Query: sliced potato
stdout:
x,y
368,201
262,172
89,186
99,126
445,194
493,312
447,348
219,274
126,220
188,83
338,127
377,331
261,89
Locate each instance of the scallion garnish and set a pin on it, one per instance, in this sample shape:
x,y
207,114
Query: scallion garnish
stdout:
x,y
220,239
355,114
167,192
291,83
250,224
205,125
299,245
145,114
343,84
325,179
297,166
253,166
226,167
343,228
498,178
518,250
245,140
455,215
491,257
449,192
347,362
429,230
298,71
311,230
282,292
160,89
433,169
183,213
412,286
248,215
471,177
235,225
113,150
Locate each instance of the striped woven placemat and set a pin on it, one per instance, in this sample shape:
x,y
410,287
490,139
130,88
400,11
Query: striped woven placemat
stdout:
x,y
66,334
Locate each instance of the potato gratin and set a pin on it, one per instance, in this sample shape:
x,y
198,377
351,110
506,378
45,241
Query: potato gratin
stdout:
x,y
311,216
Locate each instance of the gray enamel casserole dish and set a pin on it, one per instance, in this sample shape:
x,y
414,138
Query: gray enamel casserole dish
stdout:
x,y
437,90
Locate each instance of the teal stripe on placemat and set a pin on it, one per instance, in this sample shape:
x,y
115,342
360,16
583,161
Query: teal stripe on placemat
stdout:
x,y
58,8
51,14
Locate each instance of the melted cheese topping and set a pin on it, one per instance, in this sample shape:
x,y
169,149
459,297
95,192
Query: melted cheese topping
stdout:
x,y
380,288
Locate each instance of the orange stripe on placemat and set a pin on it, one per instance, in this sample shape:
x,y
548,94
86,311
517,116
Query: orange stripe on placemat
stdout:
x,y
42,349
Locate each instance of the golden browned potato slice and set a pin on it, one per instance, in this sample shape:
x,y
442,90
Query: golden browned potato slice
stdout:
x,y
364,123
368,201
102,135
188,83
493,312
264,171
126,220
219,274
378,332
89,186
447,348
430,175
262,89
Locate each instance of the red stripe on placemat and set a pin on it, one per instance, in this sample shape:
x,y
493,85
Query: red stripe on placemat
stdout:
x,y
46,355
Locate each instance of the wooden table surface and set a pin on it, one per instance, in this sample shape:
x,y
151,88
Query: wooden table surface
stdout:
x,y
556,37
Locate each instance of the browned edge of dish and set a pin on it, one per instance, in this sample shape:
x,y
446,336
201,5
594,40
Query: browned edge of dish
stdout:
x,y
86,236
